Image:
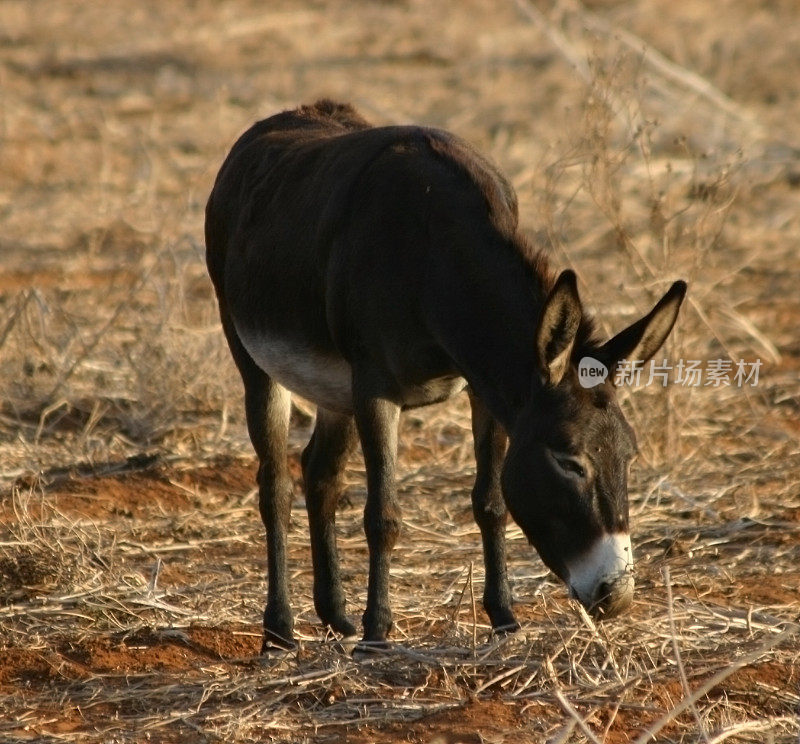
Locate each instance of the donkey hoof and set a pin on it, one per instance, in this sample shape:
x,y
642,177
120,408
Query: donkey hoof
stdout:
x,y
507,629
370,650
342,627
346,645
272,652
277,645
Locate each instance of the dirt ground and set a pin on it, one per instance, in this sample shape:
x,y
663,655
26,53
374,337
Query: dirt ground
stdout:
x,y
647,140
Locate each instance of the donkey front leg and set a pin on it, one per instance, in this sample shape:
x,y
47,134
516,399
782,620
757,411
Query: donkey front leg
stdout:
x,y
377,420
490,513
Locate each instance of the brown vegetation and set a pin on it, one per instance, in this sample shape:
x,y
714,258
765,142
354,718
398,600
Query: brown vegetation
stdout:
x,y
648,140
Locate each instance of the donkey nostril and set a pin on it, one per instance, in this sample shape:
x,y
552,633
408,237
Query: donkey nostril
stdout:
x,y
602,600
605,599
612,597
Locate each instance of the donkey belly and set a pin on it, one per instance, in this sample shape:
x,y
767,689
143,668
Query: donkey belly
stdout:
x,y
322,378
433,391
326,379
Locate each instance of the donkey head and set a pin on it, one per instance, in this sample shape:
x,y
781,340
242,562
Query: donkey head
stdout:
x,y
565,474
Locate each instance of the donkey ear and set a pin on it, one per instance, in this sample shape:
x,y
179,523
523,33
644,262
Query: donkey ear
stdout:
x,y
643,338
558,327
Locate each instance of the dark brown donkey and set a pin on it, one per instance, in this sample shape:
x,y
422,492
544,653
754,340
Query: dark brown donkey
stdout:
x,y
372,269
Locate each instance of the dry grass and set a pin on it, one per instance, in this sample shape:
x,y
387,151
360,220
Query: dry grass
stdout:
x,y
131,556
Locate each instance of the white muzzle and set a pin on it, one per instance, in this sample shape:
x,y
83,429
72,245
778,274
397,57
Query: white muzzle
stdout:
x,y
602,577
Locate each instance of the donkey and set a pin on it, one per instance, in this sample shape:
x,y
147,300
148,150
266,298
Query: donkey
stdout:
x,y
373,269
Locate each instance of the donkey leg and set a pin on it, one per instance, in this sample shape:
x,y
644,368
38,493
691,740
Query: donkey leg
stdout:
x,y
490,513
377,420
324,460
268,406
272,405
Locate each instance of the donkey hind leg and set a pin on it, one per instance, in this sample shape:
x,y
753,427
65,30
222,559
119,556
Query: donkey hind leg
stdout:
x,y
272,406
267,407
324,460
377,420
490,514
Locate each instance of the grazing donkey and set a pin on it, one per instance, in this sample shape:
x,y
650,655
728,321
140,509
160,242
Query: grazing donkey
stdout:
x,y
372,269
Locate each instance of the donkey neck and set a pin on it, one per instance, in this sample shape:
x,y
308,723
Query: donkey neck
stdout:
x,y
488,298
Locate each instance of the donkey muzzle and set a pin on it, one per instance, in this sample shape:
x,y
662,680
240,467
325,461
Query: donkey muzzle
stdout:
x,y
602,577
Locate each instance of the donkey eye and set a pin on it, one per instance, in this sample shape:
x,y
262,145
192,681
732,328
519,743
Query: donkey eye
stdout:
x,y
569,465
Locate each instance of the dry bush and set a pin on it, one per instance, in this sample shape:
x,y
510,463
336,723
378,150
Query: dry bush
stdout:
x,y
79,385
43,553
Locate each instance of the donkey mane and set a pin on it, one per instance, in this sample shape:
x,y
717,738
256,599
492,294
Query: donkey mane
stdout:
x,y
329,110
535,263
503,211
